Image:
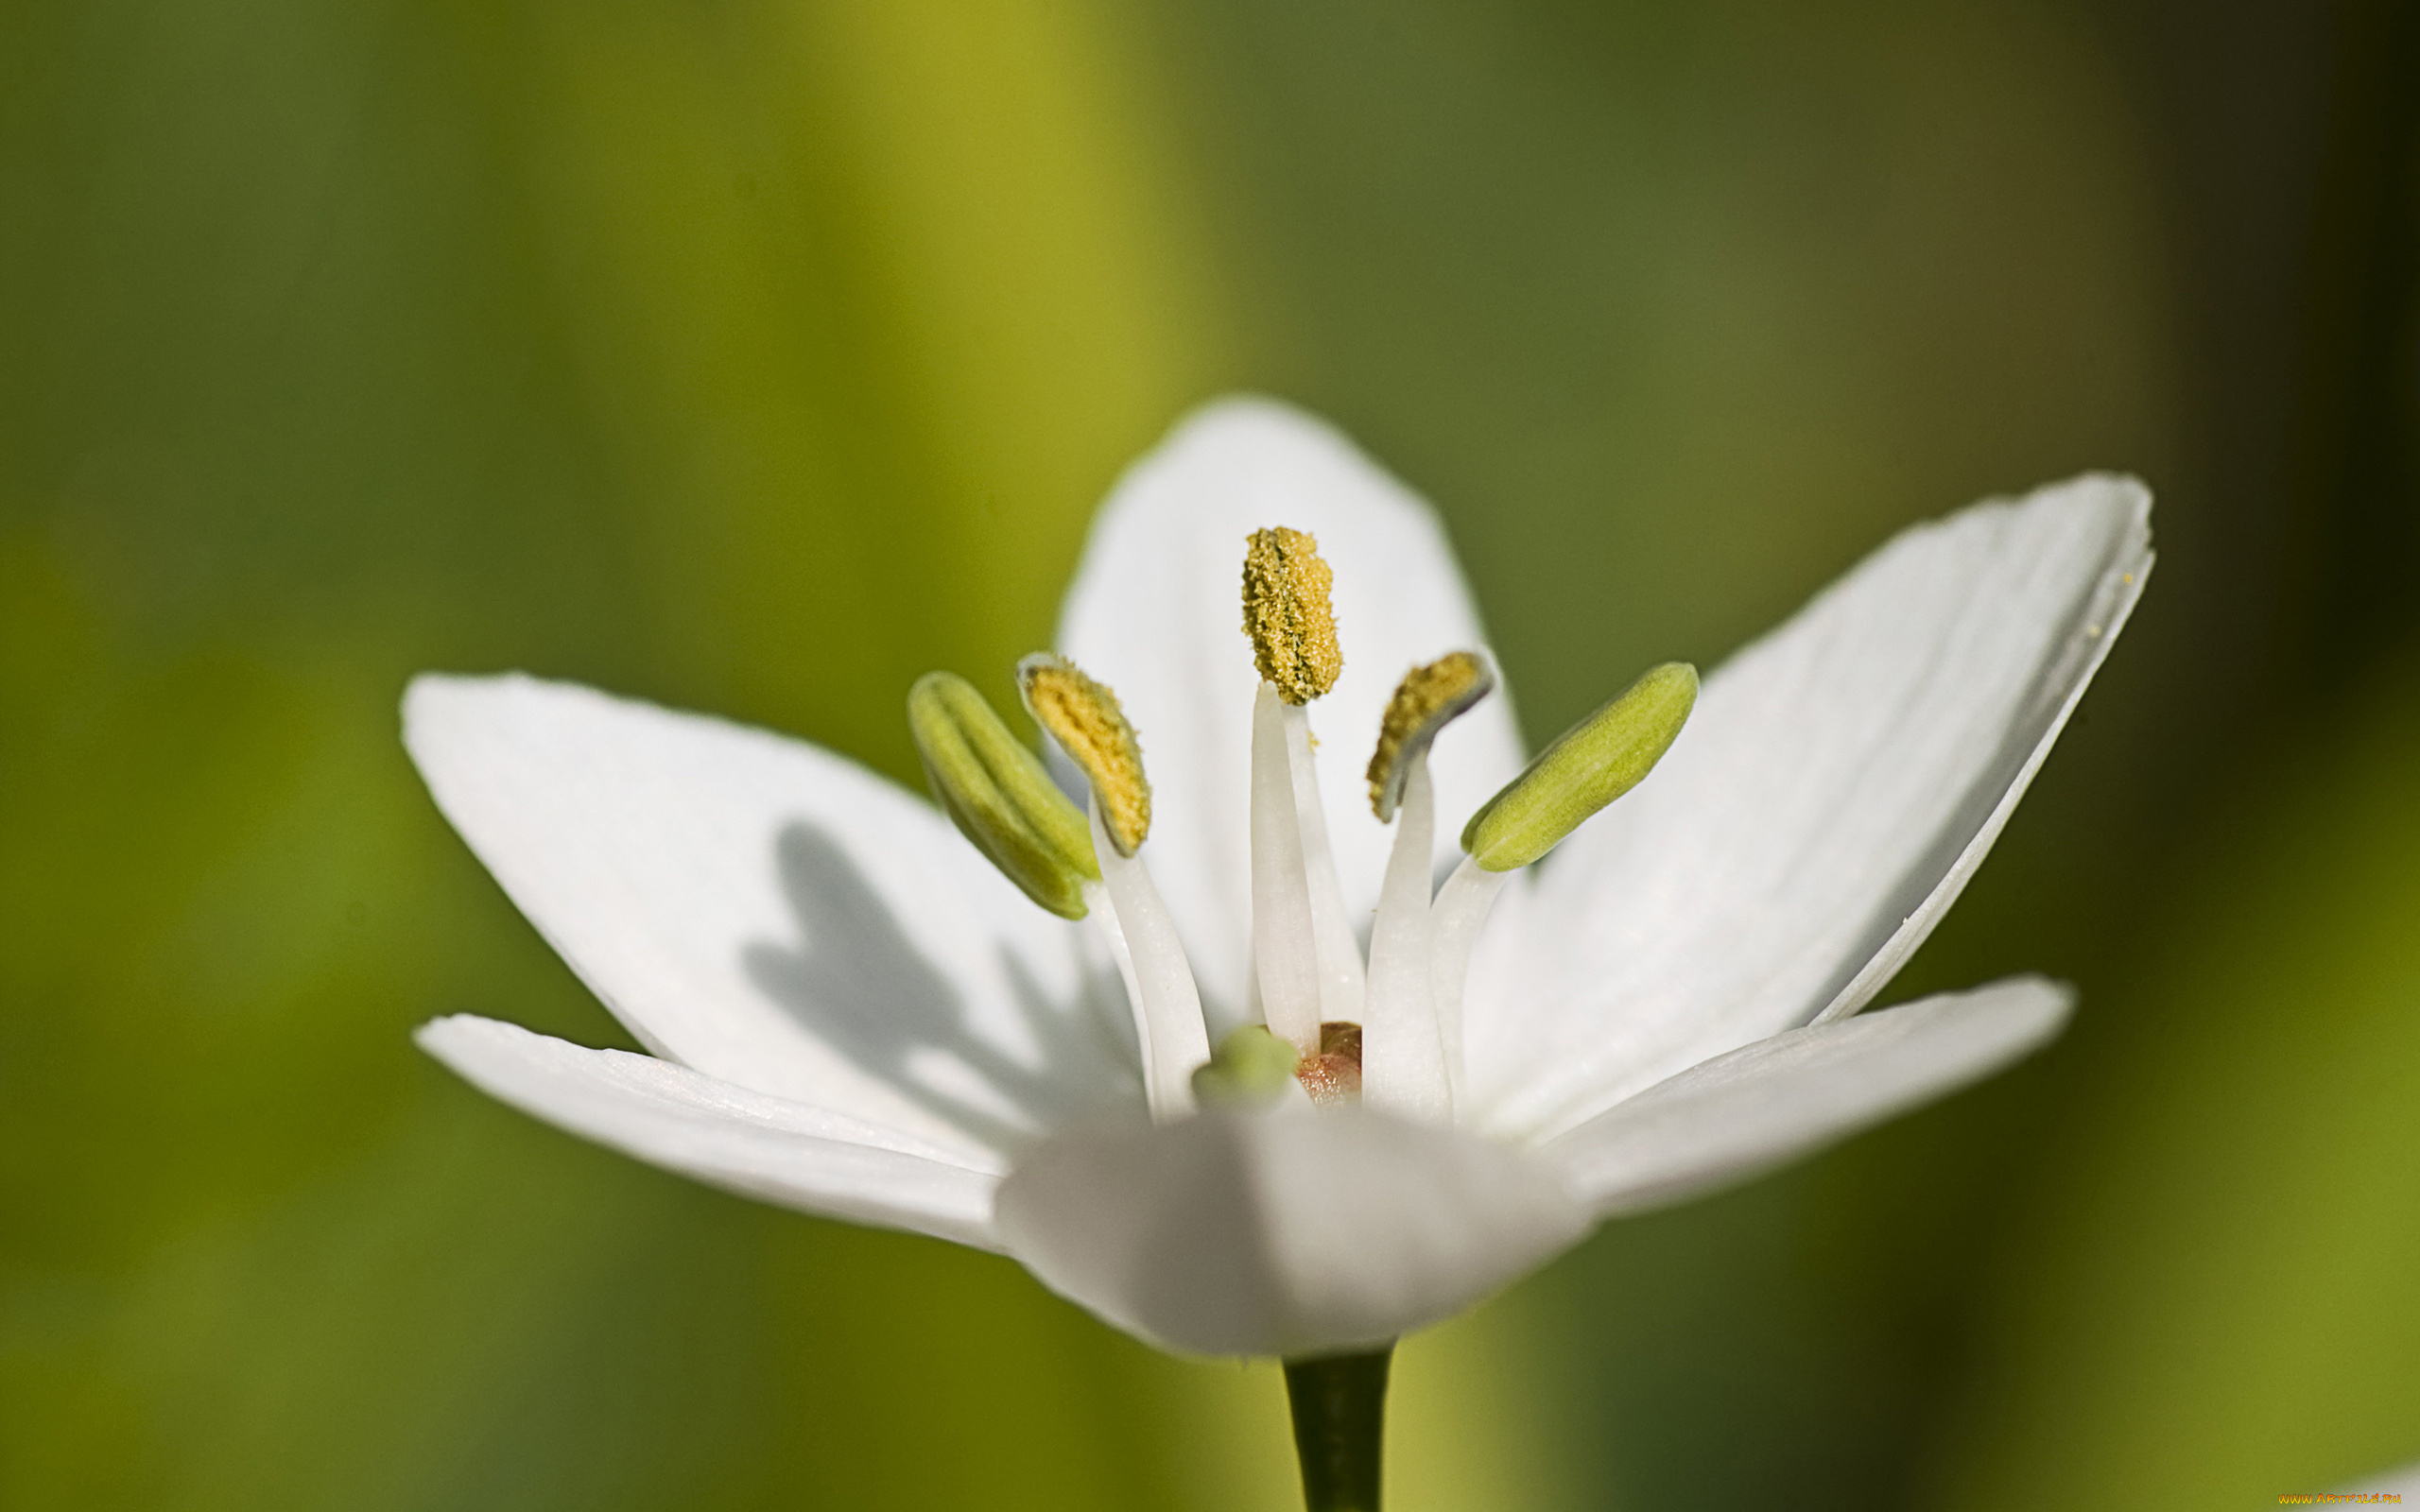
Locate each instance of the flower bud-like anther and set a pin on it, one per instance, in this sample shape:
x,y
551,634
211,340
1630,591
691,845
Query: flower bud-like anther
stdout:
x,y
998,794
1592,764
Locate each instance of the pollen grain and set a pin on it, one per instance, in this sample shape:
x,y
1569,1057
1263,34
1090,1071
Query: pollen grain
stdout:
x,y
1084,718
1287,615
1429,698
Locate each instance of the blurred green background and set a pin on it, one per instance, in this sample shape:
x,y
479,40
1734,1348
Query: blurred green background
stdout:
x,y
757,355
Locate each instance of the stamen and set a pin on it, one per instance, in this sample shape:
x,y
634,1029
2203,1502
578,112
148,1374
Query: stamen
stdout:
x,y
1084,718
1404,1064
1293,626
1590,765
1332,937
996,791
1285,950
1426,700
1159,980
1410,1058
1287,615
1462,907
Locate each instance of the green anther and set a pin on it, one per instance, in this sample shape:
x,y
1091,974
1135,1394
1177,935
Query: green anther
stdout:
x,y
1592,764
995,790
1250,1068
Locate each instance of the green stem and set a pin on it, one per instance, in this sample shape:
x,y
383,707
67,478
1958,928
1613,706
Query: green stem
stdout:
x,y
1340,1413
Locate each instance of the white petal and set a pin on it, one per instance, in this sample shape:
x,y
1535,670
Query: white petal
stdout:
x,y
1156,612
1747,1111
773,915
668,1115
2404,1483
1281,1233
1839,783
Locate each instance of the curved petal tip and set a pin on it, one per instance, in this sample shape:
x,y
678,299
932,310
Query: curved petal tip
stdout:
x,y
1741,1114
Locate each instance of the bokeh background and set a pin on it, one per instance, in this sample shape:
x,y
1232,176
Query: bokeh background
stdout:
x,y
757,355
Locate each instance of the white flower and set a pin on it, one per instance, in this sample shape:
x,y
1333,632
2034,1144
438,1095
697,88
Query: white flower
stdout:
x,y
852,1013
2390,1487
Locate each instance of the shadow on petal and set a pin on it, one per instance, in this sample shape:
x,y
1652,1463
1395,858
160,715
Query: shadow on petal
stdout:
x,y
857,983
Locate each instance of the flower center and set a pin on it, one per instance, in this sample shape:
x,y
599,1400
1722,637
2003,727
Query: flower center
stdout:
x,y
1338,1028
1334,1076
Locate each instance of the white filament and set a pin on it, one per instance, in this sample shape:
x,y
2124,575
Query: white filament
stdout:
x,y
1285,955
1403,1055
1339,953
1102,915
1159,980
1456,918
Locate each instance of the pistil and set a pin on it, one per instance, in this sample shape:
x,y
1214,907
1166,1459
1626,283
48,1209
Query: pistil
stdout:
x,y
1332,1078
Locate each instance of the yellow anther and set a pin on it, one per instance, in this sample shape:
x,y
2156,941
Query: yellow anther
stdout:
x,y
1426,700
1083,716
1287,615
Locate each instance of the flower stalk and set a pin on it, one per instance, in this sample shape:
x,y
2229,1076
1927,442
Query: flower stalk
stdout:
x,y
1339,1406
